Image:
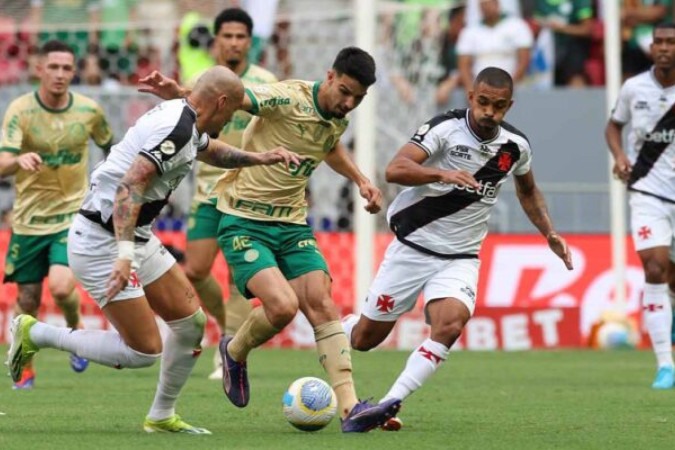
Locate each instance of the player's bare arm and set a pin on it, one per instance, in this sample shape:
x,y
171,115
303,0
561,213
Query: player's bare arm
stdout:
x,y
406,169
10,163
622,166
168,89
339,160
128,202
223,155
533,203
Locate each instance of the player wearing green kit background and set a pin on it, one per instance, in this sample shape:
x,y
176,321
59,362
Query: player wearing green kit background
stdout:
x,y
232,29
45,138
264,232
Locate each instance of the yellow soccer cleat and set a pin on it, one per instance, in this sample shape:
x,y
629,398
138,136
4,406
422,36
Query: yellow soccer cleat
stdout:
x,y
22,349
173,424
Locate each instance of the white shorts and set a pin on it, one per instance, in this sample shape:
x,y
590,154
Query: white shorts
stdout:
x,y
652,222
92,252
406,272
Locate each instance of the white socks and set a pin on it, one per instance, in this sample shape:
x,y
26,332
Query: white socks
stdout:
x,y
658,317
182,346
103,347
421,364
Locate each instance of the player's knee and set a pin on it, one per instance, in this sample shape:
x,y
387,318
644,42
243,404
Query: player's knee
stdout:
x,y
655,271
281,311
447,332
61,289
137,359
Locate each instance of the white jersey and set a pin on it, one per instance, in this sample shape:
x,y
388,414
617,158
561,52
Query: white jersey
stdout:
x,y
167,136
649,108
446,220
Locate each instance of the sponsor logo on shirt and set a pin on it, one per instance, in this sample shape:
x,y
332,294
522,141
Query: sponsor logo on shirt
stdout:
x,y
641,105
461,151
667,136
485,189
275,101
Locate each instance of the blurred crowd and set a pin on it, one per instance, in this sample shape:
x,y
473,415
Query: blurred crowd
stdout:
x,y
543,43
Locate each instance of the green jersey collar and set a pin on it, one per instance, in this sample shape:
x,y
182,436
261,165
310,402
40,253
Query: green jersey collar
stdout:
x,y
315,95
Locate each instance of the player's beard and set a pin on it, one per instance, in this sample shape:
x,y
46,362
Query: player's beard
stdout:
x,y
232,63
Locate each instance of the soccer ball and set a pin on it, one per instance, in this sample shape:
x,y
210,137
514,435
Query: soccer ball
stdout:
x,y
309,404
613,335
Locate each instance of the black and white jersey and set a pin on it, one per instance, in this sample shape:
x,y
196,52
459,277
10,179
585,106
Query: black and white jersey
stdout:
x,y
649,109
165,135
445,219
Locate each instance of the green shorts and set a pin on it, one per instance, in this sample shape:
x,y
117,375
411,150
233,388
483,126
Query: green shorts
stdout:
x,y
29,257
253,245
203,221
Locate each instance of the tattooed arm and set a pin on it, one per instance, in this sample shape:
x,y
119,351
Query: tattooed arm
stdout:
x,y
222,155
127,206
533,203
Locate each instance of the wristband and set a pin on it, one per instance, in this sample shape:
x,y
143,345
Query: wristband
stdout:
x,y
125,250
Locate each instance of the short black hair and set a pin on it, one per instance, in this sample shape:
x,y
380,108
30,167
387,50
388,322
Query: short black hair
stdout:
x,y
495,77
55,46
355,63
233,15
663,26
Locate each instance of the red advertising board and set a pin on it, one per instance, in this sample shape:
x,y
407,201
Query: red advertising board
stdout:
x,y
526,297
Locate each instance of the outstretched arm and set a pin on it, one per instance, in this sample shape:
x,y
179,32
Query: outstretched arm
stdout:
x,y
168,89
339,160
222,155
127,206
534,205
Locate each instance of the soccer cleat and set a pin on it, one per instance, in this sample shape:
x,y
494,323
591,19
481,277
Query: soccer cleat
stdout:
x,y
27,380
78,364
665,377
173,424
21,349
366,416
393,424
235,376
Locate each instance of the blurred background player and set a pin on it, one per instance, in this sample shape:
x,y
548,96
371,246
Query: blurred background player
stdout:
x,y
264,233
454,166
45,138
498,41
646,103
232,29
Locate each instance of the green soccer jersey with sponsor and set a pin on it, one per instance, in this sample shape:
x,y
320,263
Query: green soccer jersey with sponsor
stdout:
x,y
232,133
47,199
286,114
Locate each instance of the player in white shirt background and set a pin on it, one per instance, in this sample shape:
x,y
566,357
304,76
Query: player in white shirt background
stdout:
x,y
124,267
454,166
647,104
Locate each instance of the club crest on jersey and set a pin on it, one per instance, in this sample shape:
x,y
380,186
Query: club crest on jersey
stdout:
x,y
168,148
504,162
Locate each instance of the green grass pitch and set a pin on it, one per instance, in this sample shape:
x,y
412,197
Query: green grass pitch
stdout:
x,y
533,400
